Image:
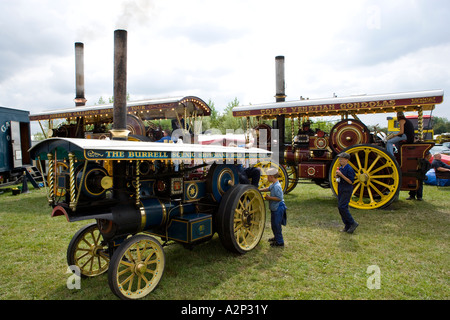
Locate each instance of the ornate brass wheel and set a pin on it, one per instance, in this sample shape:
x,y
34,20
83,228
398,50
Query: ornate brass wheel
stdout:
x,y
136,267
348,133
292,177
135,125
377,177
266,165
88,252
241,218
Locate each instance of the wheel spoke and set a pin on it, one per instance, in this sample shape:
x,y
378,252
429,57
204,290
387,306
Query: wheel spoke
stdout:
x,y
353,166
87,243
361,193
147,260
374,163
382,184
126,263
138,253
358,161
249,203
89,260
355,188
370,195
155,261
366,158
381,177
380,168
376,189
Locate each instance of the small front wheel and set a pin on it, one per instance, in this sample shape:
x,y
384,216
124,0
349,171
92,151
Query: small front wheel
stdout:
x,y
88,251
136,267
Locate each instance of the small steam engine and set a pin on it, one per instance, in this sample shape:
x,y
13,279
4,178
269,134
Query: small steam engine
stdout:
x,y
136,190
180,192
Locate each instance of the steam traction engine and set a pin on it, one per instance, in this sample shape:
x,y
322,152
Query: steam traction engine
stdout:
x,y
179,192
379,175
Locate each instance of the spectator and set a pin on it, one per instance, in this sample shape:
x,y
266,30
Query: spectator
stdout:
x,y
166,136
424,167
406,133
277,207
345,175
438,165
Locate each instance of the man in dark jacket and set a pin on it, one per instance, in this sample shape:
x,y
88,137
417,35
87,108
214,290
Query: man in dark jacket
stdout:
x,y
438,165
425,165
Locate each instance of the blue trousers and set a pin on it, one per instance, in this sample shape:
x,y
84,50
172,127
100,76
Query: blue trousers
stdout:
x,y
277,219
344,195
390,143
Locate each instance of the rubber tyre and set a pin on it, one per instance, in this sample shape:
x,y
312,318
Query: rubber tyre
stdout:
x,y
141,257
241,218
87,253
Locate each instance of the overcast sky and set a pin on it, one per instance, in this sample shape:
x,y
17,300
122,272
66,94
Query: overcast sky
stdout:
x,y
220,50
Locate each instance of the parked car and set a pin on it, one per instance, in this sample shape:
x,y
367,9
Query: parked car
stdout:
x,y
440,148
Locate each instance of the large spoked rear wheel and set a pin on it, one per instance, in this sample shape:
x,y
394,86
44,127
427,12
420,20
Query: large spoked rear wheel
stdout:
x,y
282,175
292,177
241,218
136,267
377,177
88,252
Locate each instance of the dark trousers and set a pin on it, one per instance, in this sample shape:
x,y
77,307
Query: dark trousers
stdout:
x,y
250,173
278,218
344,195
275,218
417,193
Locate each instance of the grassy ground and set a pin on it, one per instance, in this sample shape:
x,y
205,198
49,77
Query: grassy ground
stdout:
x,y
408,243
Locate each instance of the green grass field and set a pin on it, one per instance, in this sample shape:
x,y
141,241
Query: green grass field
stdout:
x,y
407,242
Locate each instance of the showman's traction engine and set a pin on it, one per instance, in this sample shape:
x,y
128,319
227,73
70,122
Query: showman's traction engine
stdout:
x,y
136,190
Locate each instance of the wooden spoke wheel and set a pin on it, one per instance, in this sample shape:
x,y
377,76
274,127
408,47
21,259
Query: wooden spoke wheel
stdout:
x,y
292,177
136,268
377,177
348,133
283,175
88,252
241,218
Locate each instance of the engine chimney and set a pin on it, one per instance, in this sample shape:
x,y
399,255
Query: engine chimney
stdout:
x,y
80,100
280,96
119,130
279,74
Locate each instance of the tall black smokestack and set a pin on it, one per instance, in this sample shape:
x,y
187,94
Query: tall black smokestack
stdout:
x,y
279,75
280,96
119,130
80,100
